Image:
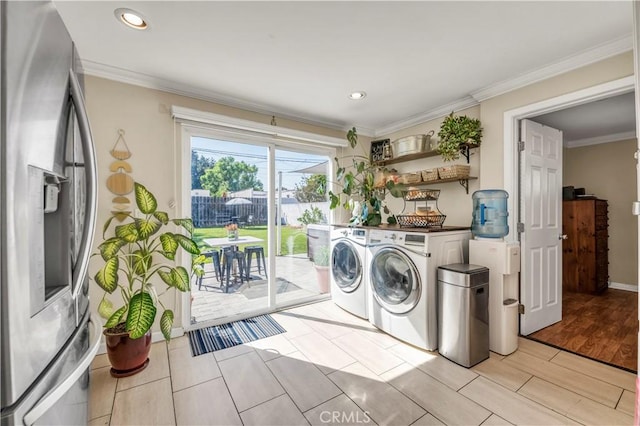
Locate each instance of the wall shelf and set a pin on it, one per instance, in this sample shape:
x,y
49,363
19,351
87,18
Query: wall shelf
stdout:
x,y
464,150
464,182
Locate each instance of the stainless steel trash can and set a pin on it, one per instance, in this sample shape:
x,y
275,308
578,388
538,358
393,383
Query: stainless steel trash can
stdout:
x,y
463,313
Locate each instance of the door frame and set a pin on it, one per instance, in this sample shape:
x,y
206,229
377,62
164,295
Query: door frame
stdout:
x,y
511,123
512,134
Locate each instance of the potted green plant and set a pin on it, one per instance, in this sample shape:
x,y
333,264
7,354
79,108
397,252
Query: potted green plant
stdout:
x,y
137,255
321,258
359,187
455,133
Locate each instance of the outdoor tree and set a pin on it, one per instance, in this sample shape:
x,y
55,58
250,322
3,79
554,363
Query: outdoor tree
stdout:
x,y
229,175
199,165
312,189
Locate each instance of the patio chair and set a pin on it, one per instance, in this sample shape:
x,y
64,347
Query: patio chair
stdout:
x,y
229,255
258,252
217,270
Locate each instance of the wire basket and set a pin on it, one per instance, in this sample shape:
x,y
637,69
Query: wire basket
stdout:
x,y
417,221
459,171
421,194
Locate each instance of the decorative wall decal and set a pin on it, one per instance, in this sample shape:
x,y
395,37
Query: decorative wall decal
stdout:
x,y
117,165
120,200
120,149
120,183
120,216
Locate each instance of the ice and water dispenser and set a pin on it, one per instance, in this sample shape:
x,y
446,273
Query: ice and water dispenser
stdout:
x,y
489,226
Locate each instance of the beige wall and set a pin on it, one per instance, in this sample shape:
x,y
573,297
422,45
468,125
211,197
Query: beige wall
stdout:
x,y
609,172
492,110
454,202
144,115
487,162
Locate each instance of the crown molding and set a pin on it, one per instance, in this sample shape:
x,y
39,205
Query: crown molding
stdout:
x,y
458,105
598,53
121,75
579,60
615,137
582,59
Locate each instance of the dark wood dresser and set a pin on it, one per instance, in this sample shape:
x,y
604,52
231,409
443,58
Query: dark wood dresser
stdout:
x,y
585,251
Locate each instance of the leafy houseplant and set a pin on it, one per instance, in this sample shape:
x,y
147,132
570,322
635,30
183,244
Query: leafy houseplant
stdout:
x,y
310,216
139,250
358,184
455,132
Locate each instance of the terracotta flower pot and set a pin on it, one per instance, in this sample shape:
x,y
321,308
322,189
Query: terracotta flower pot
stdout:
x,y
127,356
323,278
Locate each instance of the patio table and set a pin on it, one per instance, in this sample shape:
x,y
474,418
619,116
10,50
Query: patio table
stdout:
x,y
226,242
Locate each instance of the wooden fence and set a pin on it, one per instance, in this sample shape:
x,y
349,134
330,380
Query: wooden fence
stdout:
x,y
207,212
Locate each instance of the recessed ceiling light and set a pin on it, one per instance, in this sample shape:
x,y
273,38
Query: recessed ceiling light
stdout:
x,y
357,95
131,18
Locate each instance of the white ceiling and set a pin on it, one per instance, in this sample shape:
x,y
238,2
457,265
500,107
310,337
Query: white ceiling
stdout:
x,y
415,60
607,120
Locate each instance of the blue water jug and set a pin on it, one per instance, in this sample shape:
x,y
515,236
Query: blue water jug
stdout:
x,y
490,213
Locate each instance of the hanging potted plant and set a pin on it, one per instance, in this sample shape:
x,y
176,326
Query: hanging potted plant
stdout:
x,y
359,193
457,133
136,256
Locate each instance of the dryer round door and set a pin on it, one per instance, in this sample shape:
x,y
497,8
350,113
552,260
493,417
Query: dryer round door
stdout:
x,y
346,266
394,280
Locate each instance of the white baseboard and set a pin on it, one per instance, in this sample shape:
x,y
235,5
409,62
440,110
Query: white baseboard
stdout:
x,y
625,287
156,336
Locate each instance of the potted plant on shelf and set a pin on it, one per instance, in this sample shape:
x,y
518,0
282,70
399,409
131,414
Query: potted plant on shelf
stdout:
x,y
136,256
361,193
457,133
321,258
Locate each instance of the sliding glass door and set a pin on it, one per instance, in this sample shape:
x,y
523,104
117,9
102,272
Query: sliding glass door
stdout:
x,y
254,206
303,230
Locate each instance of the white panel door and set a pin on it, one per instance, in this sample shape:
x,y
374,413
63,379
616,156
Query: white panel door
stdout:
x,y
541,213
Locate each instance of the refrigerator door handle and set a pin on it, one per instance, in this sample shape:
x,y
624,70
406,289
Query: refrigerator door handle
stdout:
x,y
51,397
89,153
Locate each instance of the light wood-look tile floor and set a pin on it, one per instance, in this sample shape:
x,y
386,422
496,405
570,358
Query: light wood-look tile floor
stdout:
x,y
333,368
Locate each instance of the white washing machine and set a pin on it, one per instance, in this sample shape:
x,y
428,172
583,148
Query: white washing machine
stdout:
x,y
348,269
402,272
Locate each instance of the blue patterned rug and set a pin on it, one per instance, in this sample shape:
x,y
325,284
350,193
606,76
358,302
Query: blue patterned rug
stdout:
x,y
223,336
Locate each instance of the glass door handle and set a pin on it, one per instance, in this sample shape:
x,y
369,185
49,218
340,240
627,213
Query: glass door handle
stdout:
x,y
563,236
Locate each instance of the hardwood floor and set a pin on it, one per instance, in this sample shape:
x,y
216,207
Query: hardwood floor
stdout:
x,y
603,327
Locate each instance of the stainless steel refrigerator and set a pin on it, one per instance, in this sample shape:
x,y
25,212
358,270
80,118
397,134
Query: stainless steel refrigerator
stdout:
x,y
47,206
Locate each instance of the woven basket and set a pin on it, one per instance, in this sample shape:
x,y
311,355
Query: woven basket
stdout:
x,y
408,178
430,175
458,171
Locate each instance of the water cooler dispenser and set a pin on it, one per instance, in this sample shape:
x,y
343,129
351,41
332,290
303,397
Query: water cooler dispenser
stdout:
x,y
489,226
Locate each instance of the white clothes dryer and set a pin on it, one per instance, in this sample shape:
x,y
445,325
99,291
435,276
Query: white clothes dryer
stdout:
x,y
349,288
402,273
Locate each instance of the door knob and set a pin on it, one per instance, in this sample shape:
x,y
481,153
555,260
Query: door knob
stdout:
x,y
563,236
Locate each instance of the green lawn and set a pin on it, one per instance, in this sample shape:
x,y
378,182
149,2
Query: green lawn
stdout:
x,y
294,240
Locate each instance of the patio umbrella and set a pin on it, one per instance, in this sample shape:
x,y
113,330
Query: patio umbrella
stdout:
x,y
237,202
